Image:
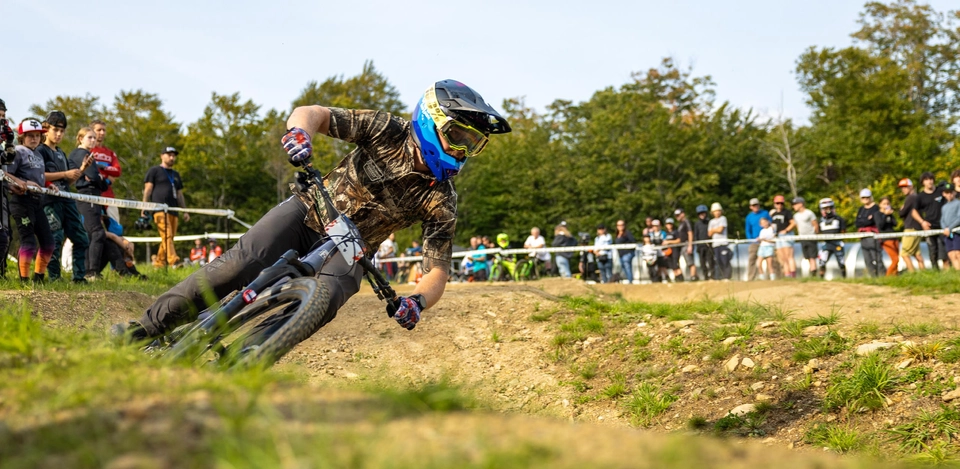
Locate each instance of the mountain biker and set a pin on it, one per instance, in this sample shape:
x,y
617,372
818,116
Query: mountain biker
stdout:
x,y
506,264
398,175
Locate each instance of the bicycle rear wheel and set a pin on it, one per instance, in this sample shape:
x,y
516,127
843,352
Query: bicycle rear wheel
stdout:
x,y
292,314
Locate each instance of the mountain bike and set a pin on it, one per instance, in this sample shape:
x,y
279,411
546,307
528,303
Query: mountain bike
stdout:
x,y
283,306
528,269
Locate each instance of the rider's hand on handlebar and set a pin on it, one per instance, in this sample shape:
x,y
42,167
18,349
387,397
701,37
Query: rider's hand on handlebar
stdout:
x,y
407,314
296,142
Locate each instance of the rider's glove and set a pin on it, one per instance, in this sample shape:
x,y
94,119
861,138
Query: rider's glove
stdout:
x,y
407,313
296,142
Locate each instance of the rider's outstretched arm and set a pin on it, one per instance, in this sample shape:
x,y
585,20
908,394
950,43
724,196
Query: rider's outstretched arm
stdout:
x,y
312,119
431,286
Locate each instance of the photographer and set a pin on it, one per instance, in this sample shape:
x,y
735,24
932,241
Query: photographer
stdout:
x,y
36,240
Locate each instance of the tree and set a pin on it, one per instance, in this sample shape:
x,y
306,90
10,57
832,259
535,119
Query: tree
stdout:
x,y
222,160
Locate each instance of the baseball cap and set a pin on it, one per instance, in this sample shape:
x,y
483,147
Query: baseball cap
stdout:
x,y
563,223
30,124
670,221
678,211
57,119
799,200
948,187
171,150
3,105
656,222
716,206
753,201
601,226
866,193
779,199
905,182
701,208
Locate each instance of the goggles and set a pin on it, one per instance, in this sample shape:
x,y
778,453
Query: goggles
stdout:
x,y
463,137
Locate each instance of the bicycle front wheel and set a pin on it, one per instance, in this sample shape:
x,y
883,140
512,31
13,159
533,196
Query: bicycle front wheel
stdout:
x,y
292,314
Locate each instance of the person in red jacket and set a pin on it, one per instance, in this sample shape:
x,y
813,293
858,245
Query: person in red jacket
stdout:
x,y
107,163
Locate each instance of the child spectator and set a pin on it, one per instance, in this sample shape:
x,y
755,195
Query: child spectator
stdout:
x,y
886,224
831,223
198,254
213,249
868,216
650,255
806,222
783,224
767,240
36,239
910,245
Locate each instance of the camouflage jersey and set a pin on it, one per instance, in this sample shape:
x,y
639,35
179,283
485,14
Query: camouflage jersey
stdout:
x,y
377,186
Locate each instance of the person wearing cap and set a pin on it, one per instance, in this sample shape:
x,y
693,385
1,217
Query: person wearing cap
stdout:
x,y
767,239
887,223
624,236
108,163
685,235
717,229
6,136
163,185
781,219
910,245
671,255
950,220
831,223
36,239
198,253
604,262
701,235
752,230
806,222
62,214
213,249
868,217
929,200
563,238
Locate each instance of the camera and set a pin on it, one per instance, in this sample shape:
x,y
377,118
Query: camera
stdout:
x,y
584,238
8,150
142,223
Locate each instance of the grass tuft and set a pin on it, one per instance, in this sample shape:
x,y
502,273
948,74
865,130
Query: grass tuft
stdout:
x,y
647,403
864,389
838,438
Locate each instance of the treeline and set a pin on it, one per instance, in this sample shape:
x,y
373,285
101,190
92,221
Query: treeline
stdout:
x,y
882,109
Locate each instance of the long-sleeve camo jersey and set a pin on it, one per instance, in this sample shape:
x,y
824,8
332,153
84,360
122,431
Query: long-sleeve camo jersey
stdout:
x,y
377,186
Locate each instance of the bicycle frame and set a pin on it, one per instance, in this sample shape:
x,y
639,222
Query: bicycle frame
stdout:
x,y
342,237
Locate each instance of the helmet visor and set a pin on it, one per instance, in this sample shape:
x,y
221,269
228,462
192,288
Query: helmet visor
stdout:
x,y
463,137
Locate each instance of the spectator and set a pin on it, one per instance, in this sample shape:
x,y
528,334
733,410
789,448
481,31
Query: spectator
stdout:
x,y
671,255
62,214
868,216
118,252
831,223
604,262
656,233
752,230
107,163
717,229
588,259
26,208
886,224
781,219
701,233
685,235
90,183
910,245
650,256
767,241
950,220
563,238
928,210
198,254
6,133
213,249
479,260
163,185
535,241
806,222
415,268
388,249
626,255
647,226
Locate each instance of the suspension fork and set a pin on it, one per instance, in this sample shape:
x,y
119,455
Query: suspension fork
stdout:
x,y
379,284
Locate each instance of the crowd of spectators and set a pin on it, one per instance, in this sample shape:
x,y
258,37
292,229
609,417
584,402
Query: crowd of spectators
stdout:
x,y
45,222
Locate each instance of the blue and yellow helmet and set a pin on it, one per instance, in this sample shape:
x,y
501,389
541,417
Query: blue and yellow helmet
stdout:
x,y
452,111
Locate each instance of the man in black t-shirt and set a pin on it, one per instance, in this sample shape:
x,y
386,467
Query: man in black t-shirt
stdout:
x,y
929,201
163,185
701,232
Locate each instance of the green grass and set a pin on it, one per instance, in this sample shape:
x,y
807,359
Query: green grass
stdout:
x,y
676,346
617,387
836,437
917,329
928,428
865,388
587,371
159,281
817,347
647,403
925,282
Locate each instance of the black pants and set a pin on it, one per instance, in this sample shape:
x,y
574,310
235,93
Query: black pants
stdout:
x,y
936,250
281,229
723,255
872,257
70,227
706,260
36,240
4,246
97,236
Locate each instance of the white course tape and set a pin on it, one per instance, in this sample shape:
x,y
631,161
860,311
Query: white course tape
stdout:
x,y
156,239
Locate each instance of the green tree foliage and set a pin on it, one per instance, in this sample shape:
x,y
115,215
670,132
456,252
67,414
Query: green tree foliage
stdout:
x,y
222,160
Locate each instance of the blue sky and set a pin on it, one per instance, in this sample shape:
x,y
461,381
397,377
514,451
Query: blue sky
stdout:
x,y
542,51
